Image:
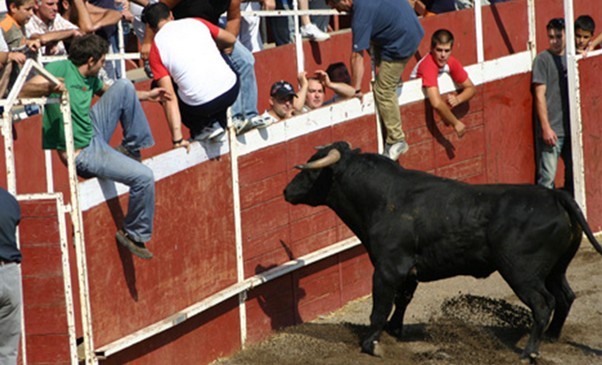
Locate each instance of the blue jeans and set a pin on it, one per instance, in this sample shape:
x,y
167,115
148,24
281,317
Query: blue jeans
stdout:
x,y
283,27
120,103
10,313
243,63
548,163
113,68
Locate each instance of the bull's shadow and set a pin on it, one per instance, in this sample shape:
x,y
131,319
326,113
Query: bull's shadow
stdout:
x,y
586,349
449,330
271,303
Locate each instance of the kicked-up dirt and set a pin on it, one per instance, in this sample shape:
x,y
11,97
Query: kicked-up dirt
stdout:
x,y
459,321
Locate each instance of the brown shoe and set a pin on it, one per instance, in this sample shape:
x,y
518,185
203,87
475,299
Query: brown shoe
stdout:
x,y
133,155
137,248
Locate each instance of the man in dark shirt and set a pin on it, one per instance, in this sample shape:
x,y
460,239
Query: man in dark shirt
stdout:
x,y
551,101
10,279
390,28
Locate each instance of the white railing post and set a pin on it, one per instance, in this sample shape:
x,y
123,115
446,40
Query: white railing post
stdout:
x,y
78,234
478,20
240,270
576,126
298,40
532,42
121,47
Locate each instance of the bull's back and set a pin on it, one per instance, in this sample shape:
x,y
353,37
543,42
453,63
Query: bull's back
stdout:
x,y
476,229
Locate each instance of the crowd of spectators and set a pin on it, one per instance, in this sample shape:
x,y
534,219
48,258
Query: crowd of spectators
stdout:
x,y
47,27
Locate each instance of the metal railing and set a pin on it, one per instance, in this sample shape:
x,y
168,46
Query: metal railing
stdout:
x,y
72,208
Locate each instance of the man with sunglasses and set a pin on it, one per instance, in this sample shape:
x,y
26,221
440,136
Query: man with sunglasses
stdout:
x,y
392,30
550,89
282,102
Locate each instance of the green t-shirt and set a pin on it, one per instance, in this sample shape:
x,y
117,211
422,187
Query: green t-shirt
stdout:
x,y
81,90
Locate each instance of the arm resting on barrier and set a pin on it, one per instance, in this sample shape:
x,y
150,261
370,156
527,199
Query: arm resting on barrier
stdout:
x,y
38,86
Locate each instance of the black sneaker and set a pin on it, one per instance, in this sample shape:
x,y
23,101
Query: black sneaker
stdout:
x,y
133,155
147,69
137,248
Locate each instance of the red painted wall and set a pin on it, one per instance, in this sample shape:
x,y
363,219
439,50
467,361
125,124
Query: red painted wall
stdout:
x,y
47,334
193,247
591,100
199,340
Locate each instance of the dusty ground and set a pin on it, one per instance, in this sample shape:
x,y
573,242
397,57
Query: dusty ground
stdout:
x,y
459,321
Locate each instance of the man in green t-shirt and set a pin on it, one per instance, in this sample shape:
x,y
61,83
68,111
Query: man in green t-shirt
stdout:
x,y
94,127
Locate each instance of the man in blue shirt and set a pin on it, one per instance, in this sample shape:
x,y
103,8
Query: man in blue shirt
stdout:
x,y
394,32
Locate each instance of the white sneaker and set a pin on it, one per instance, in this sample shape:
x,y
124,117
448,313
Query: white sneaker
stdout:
x,y
312,32
393,151
242,125
259,122
210,132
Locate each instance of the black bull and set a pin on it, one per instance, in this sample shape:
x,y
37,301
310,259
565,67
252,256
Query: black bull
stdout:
x,y
419,227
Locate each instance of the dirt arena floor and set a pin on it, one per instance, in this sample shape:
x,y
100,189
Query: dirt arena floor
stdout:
x,y
459,321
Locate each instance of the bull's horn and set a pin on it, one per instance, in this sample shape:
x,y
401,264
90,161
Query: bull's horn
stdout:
x,y
331,158
328,145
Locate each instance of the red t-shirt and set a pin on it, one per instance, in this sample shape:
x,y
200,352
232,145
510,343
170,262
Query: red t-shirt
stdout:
x,y
428,70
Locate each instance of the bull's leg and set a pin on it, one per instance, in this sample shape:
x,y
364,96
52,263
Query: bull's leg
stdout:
x,y
561,290
404,295
541,303
383,293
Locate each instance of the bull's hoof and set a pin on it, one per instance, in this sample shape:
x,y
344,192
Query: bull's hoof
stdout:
x,y
552,336
395,331
529,358
372,348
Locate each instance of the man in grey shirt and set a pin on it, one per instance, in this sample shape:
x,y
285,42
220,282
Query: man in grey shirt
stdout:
x,y
10,279
553,137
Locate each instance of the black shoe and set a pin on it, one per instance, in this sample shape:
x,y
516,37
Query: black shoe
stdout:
x,y
137,248
147,69
133,155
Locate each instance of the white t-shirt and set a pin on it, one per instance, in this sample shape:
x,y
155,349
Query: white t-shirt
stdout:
x,y
185,49
3,45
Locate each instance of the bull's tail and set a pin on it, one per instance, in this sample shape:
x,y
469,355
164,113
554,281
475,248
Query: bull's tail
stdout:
x,y
575,211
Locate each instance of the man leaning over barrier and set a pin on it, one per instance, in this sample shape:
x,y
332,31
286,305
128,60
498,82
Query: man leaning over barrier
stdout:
x,y
206,85
93,128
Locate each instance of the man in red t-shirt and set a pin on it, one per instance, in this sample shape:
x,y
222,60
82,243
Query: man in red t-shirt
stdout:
x,y
438,61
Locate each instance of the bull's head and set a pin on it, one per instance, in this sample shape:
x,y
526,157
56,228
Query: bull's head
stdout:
x,y
312,185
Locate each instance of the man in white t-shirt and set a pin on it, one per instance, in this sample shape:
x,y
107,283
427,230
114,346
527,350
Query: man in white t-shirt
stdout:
x,y
204,83
50,27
